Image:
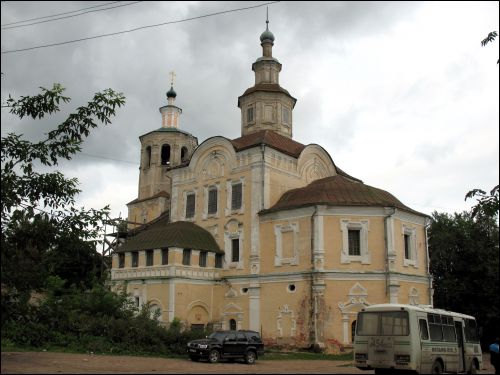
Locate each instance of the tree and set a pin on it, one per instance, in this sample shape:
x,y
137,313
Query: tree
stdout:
x,y
464,260
490,38
39,219
488,205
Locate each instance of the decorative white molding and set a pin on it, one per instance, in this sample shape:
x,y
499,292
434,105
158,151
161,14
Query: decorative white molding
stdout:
x,y
279,230
228,211
284,312
413,297
357,299
363,227
412,232
233,230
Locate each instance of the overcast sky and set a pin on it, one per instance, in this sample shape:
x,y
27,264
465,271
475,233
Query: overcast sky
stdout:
x,y
401,94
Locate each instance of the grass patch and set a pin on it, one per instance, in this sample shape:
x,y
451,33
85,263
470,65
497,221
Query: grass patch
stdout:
x,y
275,355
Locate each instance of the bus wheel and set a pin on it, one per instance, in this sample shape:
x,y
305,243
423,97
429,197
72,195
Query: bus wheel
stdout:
x,y
437,368
472,368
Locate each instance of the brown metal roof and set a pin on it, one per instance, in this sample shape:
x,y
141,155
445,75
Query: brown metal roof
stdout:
x,y
270,138
337,191
269,87
157,195
162,234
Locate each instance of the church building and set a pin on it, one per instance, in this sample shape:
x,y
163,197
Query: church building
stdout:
x,y
263,232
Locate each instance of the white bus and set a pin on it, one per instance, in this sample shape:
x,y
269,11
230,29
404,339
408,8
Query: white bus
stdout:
x,y
416,338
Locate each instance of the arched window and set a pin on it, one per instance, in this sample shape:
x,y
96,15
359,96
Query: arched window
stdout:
x,y
165,154
232,325
184,154
148,157
353,331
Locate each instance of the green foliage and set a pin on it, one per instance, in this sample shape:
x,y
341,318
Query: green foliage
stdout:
x,y
97,320
488,205
464,260
42,232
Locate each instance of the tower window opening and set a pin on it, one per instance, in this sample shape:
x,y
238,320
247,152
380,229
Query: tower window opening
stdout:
x,y
148,157
250,114
165,154
184,154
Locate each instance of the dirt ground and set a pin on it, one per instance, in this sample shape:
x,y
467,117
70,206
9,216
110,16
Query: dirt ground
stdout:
x,y
53,363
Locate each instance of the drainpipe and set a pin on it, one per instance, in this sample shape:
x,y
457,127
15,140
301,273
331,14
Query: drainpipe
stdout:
x,y
262,150
427,260
314,304
386,226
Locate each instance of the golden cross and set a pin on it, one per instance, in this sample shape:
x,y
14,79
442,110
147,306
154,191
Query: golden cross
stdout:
x,y
173,75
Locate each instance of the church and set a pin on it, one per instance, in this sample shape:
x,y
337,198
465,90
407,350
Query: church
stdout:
x,y
263,232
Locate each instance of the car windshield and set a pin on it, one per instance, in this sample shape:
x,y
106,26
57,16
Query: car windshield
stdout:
x,y
217,335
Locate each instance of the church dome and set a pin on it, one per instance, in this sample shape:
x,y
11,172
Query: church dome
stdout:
x,y
171,93
267,35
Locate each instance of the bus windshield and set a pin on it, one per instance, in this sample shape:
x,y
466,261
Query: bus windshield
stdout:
x,y
383,323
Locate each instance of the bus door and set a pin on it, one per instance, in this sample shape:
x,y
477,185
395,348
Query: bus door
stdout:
x,y
460,340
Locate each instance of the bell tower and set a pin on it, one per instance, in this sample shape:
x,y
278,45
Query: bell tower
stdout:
x,y
266,105
161,150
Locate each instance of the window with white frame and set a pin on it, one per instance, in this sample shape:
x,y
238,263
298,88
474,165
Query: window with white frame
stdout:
x,y
355,241
236,196
233,245
190,205
409,246
212,200
287,244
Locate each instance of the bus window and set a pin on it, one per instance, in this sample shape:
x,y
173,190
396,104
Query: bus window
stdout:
x,y
435,327
424,333
386,323
471,331
448,328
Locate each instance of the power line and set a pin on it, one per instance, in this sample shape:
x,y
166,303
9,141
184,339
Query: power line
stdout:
x,y
58,14
139,28
105,157
73,15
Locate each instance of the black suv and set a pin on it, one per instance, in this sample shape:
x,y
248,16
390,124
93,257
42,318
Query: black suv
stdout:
x,y
245,345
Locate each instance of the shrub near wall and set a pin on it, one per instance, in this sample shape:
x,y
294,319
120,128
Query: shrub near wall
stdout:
x,y
97,320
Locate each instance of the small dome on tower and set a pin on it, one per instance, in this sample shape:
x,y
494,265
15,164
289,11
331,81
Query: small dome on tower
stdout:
x,y
267,35
171,93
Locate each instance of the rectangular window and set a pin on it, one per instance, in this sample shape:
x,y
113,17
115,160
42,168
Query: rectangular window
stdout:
x,y
435,327
149,257
285,116
387,323
190,205
424,332
121,260
407,246
236,196
471,334
448,328
164,256
354,238
135,259
250,114
136,301
218,260
235,250
212,201
203,259
186,257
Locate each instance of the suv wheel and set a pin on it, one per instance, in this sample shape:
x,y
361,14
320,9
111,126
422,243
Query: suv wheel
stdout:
x,y
250,357
213,356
